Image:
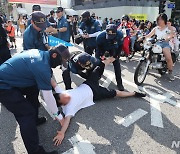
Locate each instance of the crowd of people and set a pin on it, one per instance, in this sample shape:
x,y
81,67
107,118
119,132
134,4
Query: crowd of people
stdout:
x,y
31,71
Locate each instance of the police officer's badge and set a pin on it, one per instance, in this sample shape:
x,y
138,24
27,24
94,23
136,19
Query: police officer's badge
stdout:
x,y
41,20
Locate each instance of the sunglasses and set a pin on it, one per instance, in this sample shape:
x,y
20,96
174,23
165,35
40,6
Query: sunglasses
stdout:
x,y
110,32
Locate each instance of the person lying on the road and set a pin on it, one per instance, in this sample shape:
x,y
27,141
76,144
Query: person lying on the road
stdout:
x,y
81,97
81,64
26,74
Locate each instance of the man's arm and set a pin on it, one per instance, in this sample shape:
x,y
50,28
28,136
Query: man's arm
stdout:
x,y
60,134
55,86
51,106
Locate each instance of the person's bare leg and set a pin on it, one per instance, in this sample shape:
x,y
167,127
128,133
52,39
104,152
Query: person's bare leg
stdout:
x,y
124,93
167,54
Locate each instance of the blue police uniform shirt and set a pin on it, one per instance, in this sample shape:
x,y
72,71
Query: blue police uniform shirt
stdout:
x,y
32,39
104,44
27,69
65,36
90,29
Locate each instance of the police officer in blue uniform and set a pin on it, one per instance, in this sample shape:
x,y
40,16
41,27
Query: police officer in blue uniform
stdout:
x,y
26,74
82,64
33,37
89,29
62,25
34,8
111,41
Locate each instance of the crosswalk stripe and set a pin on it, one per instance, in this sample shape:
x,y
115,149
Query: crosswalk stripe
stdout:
x,y
156,116
132,117
80,146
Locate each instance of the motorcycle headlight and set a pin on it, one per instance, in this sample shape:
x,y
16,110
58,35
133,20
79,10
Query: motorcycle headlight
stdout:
x,y
147,45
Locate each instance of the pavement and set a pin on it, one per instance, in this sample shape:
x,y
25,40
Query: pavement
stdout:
x,y
149,125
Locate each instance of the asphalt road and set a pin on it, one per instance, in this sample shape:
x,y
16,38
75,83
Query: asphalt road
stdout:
x,y
115,126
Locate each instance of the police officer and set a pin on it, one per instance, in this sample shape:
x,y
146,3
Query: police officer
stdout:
x,y
34,8
62,25
33,37
111,41
89,29
81,64
26,74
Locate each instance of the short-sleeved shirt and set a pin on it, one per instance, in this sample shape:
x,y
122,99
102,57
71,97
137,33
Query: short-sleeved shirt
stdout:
x,y
11,31
32,39
65,36
81,97
91,29
104,44
27,69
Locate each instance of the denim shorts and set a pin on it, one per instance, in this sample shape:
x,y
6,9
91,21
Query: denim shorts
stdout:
x,y
164,45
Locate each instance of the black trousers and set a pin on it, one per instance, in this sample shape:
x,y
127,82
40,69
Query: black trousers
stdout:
x,y
4,54
92,81
67,78
117,67
25,112
89,49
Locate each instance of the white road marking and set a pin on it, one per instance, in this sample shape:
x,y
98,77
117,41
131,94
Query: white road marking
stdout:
x,y
132,118
108,80
156,116
155,101
80,146
165,98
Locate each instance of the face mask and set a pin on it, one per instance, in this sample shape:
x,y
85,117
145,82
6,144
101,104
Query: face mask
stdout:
x,y
88,21
54,62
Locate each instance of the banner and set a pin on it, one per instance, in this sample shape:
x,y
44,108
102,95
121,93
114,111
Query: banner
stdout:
x,y
48,2
138,16
53,41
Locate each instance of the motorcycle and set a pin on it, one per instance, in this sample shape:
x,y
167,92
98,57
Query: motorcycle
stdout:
x,y
152,58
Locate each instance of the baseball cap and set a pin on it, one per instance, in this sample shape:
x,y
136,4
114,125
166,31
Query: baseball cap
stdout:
x,y
39,19
87,61
85,14
64,53
111,31
36,8
59,9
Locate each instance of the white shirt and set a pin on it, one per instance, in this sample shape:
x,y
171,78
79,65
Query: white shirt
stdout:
x,y
81,97
162,34
100,22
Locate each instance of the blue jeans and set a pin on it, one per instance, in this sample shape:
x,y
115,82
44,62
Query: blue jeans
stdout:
x,y
164,44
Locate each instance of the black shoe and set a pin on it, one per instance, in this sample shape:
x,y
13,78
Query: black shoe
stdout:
x,y
42,151
120,87
140,94
41,121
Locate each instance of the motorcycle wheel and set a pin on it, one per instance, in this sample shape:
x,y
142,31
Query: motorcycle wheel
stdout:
x,y
140,72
